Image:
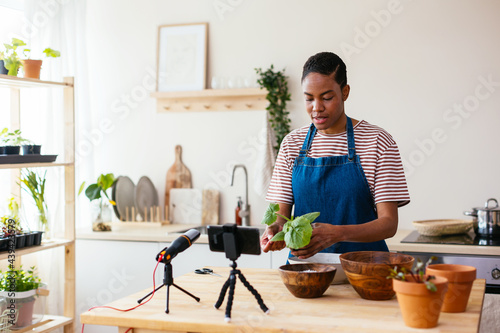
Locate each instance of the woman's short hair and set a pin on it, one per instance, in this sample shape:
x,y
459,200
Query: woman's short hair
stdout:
x,y
326,63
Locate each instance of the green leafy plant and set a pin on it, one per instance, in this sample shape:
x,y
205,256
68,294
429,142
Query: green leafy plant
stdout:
x,y
11,224
417,274
49,53
34,184
13,138
98,189
19,279
277,87
296,231
11,59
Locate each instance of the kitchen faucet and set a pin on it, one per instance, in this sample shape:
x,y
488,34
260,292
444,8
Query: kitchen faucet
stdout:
x,y
245,210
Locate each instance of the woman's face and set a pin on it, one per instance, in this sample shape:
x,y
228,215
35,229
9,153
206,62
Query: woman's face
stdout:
x,y
325,102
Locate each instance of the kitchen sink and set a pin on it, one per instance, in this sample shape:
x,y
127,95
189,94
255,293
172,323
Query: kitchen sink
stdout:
x,y
203,229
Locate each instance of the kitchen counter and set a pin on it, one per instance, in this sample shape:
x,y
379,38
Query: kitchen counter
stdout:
x,y
340,309
395,245
149,232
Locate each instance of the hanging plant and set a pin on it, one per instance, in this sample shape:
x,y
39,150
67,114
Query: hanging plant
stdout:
x,y
277,87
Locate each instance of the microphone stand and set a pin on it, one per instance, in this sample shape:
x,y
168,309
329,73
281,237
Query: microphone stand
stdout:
x,y
168,280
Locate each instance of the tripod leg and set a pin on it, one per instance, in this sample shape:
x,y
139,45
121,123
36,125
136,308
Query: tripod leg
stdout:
x,y
186,292
232,285
254,292
222,294
168,294
142,299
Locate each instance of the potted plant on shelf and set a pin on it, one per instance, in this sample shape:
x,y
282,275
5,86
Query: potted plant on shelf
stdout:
x,y
420,296
21,289
11,59
32,67
101,211
34,184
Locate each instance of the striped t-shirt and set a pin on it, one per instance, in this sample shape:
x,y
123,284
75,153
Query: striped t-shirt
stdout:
x,y
377,150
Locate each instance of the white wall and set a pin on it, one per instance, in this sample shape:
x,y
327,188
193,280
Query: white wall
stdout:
x,y
407,70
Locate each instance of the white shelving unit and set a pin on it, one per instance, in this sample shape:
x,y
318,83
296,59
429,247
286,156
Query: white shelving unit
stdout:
x,y
16,85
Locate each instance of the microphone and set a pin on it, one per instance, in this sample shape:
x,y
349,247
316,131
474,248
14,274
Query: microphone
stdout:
x,y
180,244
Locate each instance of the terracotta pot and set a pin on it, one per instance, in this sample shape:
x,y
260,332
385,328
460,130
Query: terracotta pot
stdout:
x,y
460,279
32,68
419,306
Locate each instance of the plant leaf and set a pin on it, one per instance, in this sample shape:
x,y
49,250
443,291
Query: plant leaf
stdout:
x,y
93,192
299,236
270,214
311,216
280,236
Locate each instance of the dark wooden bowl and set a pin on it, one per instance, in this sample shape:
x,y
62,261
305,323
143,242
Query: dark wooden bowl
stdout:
x,y
304,284
367,272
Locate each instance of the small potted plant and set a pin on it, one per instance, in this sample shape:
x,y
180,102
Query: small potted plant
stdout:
x,y
21,289
34,184
32,67
11,141
11,59
420,296
100,209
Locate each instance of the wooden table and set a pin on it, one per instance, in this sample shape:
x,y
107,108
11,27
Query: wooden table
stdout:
x,y
340,309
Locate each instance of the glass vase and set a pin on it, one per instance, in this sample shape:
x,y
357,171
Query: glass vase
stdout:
x,y
100,212
43,225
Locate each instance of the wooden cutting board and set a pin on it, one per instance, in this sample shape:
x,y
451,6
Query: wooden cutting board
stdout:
x,y
178,176
210,207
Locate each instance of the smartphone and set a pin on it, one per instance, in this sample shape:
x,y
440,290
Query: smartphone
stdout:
x,y
246,239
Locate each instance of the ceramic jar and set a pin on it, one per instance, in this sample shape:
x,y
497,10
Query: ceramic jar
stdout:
x,y
460,279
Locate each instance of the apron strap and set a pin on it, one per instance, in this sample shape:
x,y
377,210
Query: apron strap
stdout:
x,y
351,146
308,141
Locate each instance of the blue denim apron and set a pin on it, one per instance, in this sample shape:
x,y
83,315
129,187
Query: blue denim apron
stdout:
x,y
336,187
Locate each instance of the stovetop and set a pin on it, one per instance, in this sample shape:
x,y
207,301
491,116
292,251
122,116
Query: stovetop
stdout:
x,y
461,239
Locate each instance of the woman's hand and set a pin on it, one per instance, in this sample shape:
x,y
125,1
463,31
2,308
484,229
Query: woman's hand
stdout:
x,y
265,242
323,236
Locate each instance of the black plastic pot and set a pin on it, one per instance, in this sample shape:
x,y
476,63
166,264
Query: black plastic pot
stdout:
x,y
3,70
11,150
31,149
4,243
30,238
37,240
20,241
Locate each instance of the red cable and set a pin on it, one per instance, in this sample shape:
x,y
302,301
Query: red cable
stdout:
x,y
135,307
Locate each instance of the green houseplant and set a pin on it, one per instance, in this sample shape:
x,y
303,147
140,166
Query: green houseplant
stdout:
x,y
277,86
296,231
99,199
21,288
420,296
3,70
34,184
32,67
12,61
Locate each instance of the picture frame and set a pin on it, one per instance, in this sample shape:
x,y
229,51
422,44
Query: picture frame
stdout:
x,y
182,57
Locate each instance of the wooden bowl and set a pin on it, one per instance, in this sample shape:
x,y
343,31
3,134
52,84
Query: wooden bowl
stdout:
x,y
307,280
367,272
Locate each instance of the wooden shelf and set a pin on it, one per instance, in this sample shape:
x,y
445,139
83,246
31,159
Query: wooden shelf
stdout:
x,y
19,82
32,249
47,324
211,100
32,165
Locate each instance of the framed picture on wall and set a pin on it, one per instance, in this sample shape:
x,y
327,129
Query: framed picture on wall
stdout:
x,y
182,57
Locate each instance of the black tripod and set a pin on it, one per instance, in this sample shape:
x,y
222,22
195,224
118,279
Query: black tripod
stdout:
x,y
231,284
168,281
232,248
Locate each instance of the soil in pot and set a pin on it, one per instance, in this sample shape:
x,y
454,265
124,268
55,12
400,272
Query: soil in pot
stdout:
x,y
460,279
31,149
24,307
32,68
419,306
